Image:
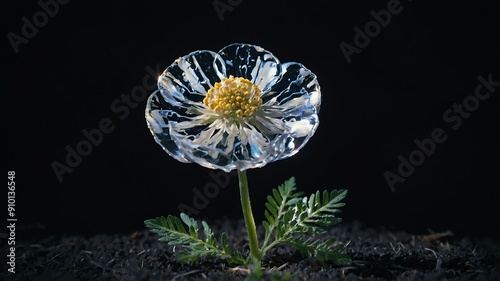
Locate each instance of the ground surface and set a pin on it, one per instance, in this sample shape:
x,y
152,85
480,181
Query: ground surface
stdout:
x,y
377,253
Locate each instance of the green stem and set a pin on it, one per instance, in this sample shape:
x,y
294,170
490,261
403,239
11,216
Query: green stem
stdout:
x,y
249,223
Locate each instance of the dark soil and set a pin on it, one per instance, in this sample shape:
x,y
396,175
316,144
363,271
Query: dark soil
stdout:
x,y
377,254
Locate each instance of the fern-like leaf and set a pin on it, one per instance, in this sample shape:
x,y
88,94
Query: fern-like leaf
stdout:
x,y
323,251
192,247
278,208
321,209
289,217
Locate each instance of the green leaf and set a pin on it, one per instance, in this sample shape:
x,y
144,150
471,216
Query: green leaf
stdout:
x,y
278,207
270,218
191,247
290,218
323,251
321,210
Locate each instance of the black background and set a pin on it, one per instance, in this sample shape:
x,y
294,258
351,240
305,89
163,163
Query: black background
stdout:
x,y
427,59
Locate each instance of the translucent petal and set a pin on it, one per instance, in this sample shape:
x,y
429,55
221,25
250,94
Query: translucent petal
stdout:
x,y
190,77
182,87
253,63
295,102
159,114
191,132
296,83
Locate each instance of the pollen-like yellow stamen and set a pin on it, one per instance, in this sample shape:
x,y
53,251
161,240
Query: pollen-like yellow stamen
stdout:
x,y
234,97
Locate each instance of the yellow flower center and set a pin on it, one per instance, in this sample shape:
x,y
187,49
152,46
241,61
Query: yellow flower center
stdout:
x,y
233,97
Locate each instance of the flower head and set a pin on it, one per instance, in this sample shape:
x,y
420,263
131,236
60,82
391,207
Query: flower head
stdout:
x,y
239,108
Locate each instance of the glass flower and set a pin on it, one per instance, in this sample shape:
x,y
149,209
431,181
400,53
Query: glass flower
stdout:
x,y
235,109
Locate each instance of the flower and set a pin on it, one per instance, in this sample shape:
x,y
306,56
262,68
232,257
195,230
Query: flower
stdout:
x,y
239,108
